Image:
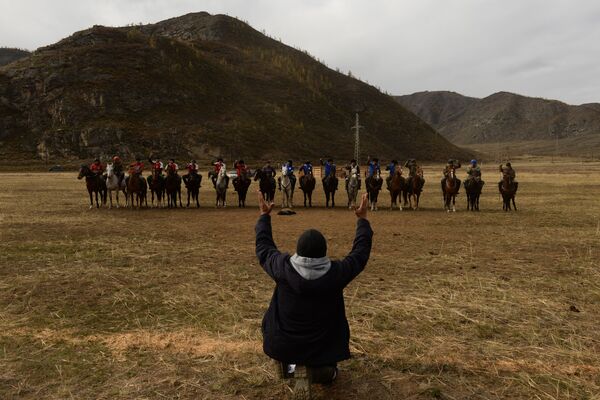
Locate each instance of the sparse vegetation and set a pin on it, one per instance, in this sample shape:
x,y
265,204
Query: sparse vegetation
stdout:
x,y
125,304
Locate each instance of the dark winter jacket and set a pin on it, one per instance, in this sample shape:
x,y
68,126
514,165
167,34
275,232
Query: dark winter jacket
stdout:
x,y
306,320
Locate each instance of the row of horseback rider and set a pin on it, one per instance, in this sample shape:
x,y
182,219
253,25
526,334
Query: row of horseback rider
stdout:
x,y
329,169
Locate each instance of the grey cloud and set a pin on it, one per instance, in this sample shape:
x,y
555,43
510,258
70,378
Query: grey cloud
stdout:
x,y
546,48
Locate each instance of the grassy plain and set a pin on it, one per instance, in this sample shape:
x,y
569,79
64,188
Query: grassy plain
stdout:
x,y
153,304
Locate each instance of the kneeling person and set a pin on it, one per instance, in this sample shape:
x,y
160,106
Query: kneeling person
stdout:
x,y
306,321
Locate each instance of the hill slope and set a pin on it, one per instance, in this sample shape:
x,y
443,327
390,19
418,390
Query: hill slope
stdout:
x,y
198,85
8,55
503,117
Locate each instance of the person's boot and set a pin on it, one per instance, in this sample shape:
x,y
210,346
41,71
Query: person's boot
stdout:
x,y
323,375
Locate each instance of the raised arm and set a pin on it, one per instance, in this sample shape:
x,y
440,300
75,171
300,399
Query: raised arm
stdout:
x,y
355,262
266,250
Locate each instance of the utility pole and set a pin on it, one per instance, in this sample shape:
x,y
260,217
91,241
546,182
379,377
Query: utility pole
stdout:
x,y
356,129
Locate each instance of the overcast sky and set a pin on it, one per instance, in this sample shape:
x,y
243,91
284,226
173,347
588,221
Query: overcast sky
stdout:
x,y
543,48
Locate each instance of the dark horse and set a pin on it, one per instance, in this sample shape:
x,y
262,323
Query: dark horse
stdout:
x,y
136,185
156,182
374,183
450,187
94,184
307,185
330,185
398,186
414,188
173,188
508,190
241,185
192,183
473,189
266,185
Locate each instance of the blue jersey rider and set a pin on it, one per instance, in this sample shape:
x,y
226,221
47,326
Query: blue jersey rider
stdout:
x,y
374,166
392,166
306,168
330,170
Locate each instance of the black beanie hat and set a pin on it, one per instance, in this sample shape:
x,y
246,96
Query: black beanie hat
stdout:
x,y
311,244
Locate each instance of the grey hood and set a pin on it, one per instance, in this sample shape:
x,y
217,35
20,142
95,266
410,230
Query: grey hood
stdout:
x,y
310,268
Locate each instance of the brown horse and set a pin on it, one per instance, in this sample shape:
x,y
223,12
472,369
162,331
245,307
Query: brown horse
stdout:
x,y
136,185
450,187
192,183
156,182
397,186
173,188
415,187
307,185
373,184
508,190
241,185
94,184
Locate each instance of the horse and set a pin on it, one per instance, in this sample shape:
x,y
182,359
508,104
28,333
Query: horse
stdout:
x,y
266,185
287,189
508,190
450,187
94,184
192,183
307,185
173,188
473,189
221,188
112,183
136,185
156,182
330,185
397,187
374,183
241,185
414,188
352,188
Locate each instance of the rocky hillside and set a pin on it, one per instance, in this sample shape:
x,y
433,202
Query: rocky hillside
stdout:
x,y
8,55
503,117
198,85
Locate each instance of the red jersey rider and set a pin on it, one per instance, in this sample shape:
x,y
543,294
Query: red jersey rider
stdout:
x,y
241,170
192,167
96,167
172,167
136,167
218,165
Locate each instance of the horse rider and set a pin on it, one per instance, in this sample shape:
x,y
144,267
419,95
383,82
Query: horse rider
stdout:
x,y
507,171
392,168
374,166
329,167
268,170
306,168
118,168
241,170
156,166
218,165
452,164
172,166
474,173
136,167
192,168
352,168
412,166
289,171
97,167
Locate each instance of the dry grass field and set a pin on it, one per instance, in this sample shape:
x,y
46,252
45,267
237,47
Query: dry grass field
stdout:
x,y
154,304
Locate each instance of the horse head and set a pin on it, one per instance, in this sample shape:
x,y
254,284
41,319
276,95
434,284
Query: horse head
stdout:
x,y
110,170
84,170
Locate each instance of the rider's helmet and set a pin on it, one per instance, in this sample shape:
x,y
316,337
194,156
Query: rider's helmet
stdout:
x,y
193,161
138,158
241,162
473,161
376,160
394,162
116,159
353,161
450,161
268,162
330,160
171,160
96,160
289,162
508,164
307,162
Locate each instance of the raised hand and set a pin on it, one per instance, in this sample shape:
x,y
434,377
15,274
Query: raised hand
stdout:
x,y
264,207
361,211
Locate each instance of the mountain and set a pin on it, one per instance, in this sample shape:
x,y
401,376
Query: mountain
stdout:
x,y
503,117
199,86
8,55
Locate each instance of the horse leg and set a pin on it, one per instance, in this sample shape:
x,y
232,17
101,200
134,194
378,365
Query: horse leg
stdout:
x,y
179,194
514,205
333,199
454,203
